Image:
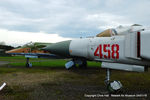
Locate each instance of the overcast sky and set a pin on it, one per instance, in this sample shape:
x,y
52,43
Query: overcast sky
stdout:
x,y
22,21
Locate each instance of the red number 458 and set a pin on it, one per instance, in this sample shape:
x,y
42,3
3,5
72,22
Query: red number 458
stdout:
x,y
107,51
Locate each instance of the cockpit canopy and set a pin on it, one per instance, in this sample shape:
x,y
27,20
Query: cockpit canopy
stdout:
x,y
121,30
107,33
36,45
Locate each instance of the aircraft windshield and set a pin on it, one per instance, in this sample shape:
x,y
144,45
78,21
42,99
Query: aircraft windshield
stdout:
x,y
28,44
107,33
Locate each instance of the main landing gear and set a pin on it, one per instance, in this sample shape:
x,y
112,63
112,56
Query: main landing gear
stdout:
x,y
28,64
72,64
113,86
83,64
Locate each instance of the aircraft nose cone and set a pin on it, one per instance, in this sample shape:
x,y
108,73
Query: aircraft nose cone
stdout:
x,y
60,48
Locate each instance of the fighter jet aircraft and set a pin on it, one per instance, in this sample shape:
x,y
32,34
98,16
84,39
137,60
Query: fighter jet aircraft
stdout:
x,y
32,50
122,48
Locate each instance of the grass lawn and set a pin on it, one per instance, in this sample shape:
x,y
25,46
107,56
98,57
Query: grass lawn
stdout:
x,y
21,61
49,80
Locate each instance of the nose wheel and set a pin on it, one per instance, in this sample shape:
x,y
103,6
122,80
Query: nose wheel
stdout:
x,y
113,86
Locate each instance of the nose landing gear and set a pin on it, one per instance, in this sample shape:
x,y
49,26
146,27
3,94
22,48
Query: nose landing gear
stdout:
x,y
113,86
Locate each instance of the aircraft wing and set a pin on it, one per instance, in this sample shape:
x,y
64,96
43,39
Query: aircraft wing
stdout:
x,y
124,67
38,55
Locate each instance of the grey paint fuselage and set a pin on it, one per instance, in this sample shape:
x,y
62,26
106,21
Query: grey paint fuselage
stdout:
x,y
85,48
